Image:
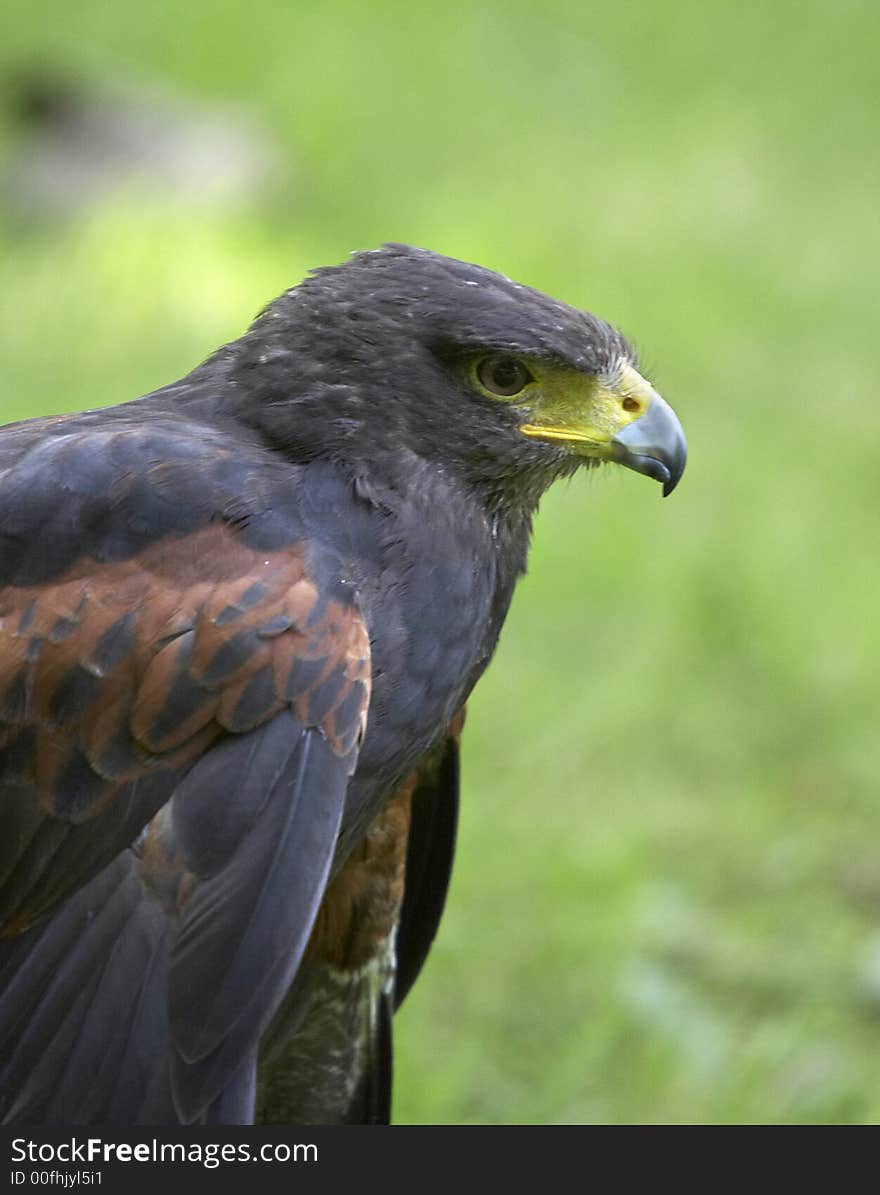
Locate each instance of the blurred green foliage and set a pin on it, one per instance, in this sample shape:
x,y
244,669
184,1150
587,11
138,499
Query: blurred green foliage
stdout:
x,y
667,900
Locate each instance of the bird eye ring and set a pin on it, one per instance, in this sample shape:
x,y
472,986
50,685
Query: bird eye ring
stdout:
x,y
502,375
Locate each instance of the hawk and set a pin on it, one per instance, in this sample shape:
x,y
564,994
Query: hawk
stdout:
x,y
240,618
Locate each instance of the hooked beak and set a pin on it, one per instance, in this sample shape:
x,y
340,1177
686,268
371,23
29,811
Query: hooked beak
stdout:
x,y
620,417
653,444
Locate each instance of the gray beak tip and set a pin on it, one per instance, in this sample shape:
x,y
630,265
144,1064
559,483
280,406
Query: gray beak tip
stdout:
x,y
654,445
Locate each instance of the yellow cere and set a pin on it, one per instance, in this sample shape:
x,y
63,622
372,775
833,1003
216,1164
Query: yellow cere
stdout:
x,y
570,407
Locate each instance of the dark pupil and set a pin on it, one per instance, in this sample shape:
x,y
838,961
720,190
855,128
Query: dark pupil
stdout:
x,y
505,373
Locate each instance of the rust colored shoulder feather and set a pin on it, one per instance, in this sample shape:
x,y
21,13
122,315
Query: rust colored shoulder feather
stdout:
x,y
116,676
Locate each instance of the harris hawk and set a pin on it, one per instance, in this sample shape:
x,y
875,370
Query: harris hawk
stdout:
x,y
239,621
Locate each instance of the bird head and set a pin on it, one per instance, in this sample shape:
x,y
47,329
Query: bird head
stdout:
x,y
403,349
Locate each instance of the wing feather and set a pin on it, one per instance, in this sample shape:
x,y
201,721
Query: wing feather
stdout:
x,y
159,663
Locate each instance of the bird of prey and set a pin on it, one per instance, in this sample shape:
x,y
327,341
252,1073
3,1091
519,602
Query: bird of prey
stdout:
x,y
239,621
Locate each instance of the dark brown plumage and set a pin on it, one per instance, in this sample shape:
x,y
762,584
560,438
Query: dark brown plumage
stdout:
x,y
239,620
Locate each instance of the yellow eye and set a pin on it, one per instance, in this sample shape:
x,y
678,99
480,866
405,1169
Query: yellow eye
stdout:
x,y
502,375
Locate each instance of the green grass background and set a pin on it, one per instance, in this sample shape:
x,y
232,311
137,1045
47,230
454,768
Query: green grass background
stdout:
x,y
666,905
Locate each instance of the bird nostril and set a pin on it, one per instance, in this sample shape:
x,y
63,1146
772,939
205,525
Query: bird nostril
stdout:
x,y
631,404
